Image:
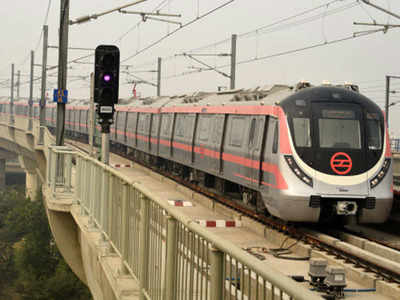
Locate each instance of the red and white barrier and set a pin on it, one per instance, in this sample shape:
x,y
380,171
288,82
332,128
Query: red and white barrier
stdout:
x,y
180,203
219,223
121,165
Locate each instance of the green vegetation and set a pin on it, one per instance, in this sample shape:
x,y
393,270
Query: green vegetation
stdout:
x,y
31,266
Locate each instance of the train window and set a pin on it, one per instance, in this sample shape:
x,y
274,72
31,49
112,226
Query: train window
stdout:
x,y
237,129
339,133
180,125
276,134
302,135
144,122
121,115
218,128
204,127
154,124
253,132
190,121
166,124
131,125
374,132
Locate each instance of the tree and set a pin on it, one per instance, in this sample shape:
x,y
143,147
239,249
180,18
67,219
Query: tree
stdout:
x,y
40,272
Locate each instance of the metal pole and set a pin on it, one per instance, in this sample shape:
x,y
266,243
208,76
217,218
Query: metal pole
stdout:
x,y
62,69
233,61
159,77
12,96
30,101
43,92
144,245
105,147
387,100
170,270
217,282
91,114
18,83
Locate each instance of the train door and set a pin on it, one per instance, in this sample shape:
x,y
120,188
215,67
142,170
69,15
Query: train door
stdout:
x,y
339,149
203,142
190,122
268,179
257,124
216,142
155,125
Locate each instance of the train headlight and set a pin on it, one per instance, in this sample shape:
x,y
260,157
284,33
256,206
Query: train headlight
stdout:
x,y
296,170
381,174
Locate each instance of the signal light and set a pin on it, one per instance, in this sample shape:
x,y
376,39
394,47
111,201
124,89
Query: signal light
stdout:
x,y
106,74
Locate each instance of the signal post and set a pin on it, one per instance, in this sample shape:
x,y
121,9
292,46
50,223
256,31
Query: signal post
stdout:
x,y
106,85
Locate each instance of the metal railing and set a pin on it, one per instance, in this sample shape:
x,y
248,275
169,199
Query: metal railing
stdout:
x,y
59,170
170,255
395,145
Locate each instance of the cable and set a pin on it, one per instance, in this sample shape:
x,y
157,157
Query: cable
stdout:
x,y
158,7
282,27
176,30
317,45
367,12
44,23
257,30
282,251
302,21
41,34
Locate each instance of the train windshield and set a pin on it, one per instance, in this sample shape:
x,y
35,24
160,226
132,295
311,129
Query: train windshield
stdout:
x,y
339,128
374,131
302,135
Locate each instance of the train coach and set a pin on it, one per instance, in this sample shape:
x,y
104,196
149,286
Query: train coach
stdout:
x,y
305,154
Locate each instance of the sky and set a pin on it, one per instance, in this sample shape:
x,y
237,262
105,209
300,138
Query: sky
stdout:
x,y
279,42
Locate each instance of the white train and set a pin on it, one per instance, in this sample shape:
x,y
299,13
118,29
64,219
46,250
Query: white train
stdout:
x,y
306,154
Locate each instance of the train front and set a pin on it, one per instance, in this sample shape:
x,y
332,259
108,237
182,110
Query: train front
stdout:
x,y
340,161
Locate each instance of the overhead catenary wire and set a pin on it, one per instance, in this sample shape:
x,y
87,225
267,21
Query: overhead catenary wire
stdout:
x,y
158,7
161,39
120,38
278,54
176,30
41,34
272,27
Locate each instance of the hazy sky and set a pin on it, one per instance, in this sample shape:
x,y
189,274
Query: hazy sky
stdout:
x,y
364,60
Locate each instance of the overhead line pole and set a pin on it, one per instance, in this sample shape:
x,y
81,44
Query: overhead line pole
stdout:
x,y
387,105
30,101
62,69
12,96
233,61
159,77
18,83
43,91
387,100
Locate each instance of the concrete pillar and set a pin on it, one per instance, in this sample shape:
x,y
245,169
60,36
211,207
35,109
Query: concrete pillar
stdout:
x,y
2,173
32,185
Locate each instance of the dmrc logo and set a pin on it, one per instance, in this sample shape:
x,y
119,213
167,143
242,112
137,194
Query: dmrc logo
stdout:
x,y
341,163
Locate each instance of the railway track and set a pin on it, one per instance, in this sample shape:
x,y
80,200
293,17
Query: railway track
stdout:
x,y
341,244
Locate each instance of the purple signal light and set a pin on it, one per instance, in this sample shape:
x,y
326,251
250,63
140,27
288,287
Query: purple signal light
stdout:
x,y
107,78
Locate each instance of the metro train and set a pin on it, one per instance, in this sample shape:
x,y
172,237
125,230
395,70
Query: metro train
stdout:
x,y
303,153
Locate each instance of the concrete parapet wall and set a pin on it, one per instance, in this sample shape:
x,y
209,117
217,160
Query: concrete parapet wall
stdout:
x,y
66,234
105,270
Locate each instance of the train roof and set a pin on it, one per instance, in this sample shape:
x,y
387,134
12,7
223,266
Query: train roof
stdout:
x,y
261,95
265,95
